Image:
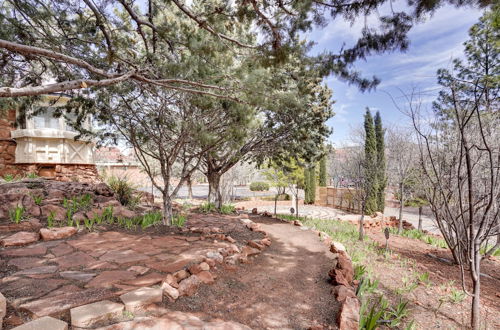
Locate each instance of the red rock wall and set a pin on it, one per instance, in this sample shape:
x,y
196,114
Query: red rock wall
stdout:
x,y
7,145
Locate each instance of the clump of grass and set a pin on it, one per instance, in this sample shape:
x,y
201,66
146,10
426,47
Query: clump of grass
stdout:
x,y
9,177
207,207
31,175
381,313
150,219
75,204
227,209
38,199
17,214
359,272
179,220
408,286
50,219
423,278
456,296
420,235
124,190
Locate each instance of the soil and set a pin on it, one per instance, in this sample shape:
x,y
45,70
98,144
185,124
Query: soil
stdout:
x,y
285,287
431,305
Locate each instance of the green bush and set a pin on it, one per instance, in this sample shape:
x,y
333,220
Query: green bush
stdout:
x,y
259,186
179,220
227,209
17,214
9,177
207,207
123,189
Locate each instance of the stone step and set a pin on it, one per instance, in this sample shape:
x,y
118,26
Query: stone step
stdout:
x,y
92,314
44,323
138,299
57,305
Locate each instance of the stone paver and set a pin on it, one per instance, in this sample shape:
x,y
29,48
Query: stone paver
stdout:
x,y
78,276
57,305
34,250
107,278
26,262
88,315
50,234
146,280
123,257
44,323
3,308
74,260
138,299
61,249
20,238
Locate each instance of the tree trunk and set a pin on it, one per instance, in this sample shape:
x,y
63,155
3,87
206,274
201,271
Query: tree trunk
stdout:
x,y
476,284
190,188
361,223
400,226
214,194
275,203
297,205
420,218
168,214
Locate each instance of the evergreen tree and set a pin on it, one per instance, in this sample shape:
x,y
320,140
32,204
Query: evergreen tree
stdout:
x,y
381,176
370,164
307,185
322,172
312,184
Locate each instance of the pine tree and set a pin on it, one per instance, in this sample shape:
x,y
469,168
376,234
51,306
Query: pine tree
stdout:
x,y
381,176
370,166
322,172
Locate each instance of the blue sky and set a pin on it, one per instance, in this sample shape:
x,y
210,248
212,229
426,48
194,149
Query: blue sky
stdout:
x,y
433,44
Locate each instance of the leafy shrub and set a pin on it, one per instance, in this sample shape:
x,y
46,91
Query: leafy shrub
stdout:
x,y
227,209
150,219
259,186
207,207
9,177
17,214
50,219
179,220
31,176
282,197
38,200
456,296
123,189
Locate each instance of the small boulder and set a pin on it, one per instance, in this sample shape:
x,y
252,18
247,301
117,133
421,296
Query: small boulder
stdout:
x,y
266,241
138,299
189,286
181,275
336,247
216,256
50,234
254,210
248,251
206,277
342,292
348,318
169,291
123,212
256,245
20,238
170,280
58,211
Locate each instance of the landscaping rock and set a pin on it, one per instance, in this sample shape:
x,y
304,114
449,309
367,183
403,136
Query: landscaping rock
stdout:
x,y
348,318
180,275
189,286
123,212
336,247
44,323
248,251
3,308
59,304
216,256
136,300
266,241
146,280
107,278
20,238
256,245
141,270
88,315
342,292
206,277
50,234
169,291
170,279
59,212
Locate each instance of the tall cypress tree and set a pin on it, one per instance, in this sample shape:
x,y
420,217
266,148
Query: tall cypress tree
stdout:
x,y
312,184
307,188
370,165
322,172
381,176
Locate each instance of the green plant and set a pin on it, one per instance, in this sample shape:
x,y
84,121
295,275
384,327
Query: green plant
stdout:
x,y
123,189
207,207
150,219
359,272
395,314
456,296
50,219
366,286
9,177
16,215
408,286
227,209
88,223
107,214
371,320
179,220
38,200
424,278
259,186
31,175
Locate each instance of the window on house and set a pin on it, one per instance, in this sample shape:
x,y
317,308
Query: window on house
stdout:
x,y
45,119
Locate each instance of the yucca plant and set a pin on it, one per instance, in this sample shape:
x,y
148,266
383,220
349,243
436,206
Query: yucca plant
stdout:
x,y
17,214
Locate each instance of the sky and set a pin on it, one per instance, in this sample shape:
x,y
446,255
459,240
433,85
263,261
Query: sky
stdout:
x,y
433,44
